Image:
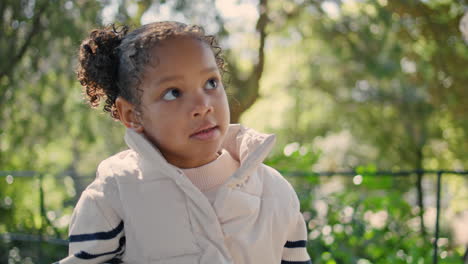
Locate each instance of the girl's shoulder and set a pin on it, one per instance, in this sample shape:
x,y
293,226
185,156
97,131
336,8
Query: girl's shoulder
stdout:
x,y
124,163
275,185
109,171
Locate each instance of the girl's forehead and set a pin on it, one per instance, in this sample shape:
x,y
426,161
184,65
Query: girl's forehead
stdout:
x,y
186,50
178,44
179,56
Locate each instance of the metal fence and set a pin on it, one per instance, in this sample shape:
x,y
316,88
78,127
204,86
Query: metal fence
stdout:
x,y
40,239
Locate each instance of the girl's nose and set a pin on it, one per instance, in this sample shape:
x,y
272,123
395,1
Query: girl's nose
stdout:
x,y
202,106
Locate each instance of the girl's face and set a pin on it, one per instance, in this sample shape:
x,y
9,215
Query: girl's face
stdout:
x,y
184,108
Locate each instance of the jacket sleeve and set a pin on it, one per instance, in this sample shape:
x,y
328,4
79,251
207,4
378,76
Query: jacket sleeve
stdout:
x,y
295,250
96,233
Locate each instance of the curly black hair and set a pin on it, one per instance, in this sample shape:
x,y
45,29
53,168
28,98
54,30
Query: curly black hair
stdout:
x,y
112,59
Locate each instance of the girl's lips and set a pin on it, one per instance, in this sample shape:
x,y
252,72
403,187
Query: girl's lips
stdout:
x,y
207,134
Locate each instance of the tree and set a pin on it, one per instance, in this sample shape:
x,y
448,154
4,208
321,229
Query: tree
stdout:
x,y
393,70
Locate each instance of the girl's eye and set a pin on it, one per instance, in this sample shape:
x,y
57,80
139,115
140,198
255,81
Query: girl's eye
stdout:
x,y
171,94
211,84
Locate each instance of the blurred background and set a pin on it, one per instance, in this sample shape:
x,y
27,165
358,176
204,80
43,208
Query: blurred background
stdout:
x,y
368,99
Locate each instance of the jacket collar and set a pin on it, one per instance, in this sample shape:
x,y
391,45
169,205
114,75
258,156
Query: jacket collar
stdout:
x,y
246,145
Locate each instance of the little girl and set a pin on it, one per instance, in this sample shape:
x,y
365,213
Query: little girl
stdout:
x,y
191,188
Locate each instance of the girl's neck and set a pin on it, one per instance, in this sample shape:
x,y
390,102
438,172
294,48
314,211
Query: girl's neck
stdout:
x,y
213,174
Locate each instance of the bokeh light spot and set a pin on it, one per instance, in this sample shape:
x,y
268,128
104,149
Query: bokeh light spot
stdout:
x,y
357,180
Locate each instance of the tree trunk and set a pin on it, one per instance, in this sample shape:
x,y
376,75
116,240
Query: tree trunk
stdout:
x,y
245,90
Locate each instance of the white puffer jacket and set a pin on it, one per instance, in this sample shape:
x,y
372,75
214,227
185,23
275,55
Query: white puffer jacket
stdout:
x,y
141,209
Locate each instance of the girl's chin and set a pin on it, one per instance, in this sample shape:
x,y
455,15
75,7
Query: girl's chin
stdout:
x,y
204,158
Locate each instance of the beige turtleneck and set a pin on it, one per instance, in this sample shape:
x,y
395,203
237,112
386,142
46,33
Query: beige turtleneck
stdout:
x,y
210,176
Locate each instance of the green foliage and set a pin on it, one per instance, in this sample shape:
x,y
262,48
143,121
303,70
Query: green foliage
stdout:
x,y
27,252
386,71
365,221
27,220
19,209
297,159
39,210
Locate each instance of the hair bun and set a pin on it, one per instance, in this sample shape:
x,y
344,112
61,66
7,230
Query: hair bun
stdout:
x,y
98,64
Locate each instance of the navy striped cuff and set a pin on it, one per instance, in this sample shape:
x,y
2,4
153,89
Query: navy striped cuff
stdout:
x,y
296,262
86,255
97,236
295,244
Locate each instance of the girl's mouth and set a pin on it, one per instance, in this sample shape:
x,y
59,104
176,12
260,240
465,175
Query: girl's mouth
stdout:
x,y
206,134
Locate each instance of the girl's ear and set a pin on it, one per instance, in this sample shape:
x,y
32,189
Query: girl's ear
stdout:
x,y
128,114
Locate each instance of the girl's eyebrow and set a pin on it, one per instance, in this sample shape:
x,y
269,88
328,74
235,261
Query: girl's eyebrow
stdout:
x,y
177,77
210,69
168,79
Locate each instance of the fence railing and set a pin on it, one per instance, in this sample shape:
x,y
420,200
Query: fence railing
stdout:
x,y
40,238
